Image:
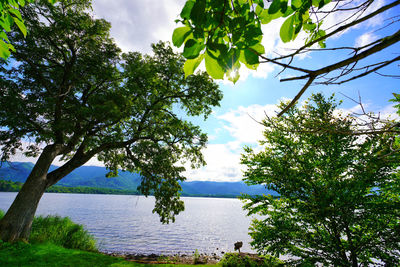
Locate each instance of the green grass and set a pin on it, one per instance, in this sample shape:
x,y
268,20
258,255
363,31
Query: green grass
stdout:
x,y
47,254
60,231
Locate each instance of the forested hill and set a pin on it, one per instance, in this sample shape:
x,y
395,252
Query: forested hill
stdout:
x,y
93,176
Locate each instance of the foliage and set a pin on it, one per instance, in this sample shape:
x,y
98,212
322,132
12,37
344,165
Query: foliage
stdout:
x,y
231,31
10,14
243,260
85,99
9,186
228,33
339,193
396,99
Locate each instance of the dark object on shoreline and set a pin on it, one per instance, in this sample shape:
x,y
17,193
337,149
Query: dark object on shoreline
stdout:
x,y
238,245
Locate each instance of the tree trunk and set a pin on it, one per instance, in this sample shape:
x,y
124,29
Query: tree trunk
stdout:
x,y
17,222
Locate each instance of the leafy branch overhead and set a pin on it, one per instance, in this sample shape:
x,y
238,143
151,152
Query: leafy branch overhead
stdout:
x,y
227,34
10,15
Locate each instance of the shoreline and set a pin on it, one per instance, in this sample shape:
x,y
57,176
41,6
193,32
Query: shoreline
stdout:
x,y
153,258
193,259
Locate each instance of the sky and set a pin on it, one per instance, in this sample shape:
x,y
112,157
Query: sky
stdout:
x,y
235,124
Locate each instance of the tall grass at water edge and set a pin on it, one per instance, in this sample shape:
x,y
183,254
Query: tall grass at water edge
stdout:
x,y
60,231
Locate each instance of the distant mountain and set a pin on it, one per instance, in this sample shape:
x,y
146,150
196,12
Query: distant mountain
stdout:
x,y
93,176
223,188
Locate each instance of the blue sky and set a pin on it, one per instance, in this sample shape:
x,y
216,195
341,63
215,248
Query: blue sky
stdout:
x,y
137,24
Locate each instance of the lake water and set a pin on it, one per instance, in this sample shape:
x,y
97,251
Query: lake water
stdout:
x,y
125,224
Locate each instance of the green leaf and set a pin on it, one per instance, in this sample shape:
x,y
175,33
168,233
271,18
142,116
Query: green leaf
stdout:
x,y
259,10
192,49
296,4
260,3
185,13
231,59
11,47
16,13
233,75
52,1
310,26
4,51
274,7
21,2
179,35
242,2
265,16
250,57
13,3
4,36
315,2
6,22
214,69
322,3
191,65
287,30
289,11
284,6
259,48
243,60
21,26
197,13
321,33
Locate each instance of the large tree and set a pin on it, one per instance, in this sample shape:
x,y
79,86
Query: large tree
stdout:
x,y
339,193
229,33
69,92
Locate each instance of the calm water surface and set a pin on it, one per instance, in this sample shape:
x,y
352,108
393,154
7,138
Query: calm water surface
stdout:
x,y
126,224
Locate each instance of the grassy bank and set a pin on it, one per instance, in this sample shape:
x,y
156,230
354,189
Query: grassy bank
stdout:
x,y
47,254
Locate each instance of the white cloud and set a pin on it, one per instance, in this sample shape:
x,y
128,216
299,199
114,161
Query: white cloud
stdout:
x,y
137,24
223,164
389,113
365,39
244,123
223,160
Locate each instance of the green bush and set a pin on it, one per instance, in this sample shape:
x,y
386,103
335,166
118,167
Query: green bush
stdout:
x,y
60,231
243,260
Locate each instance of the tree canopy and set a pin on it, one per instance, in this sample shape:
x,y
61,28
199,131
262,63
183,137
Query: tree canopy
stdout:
x,y
71,93
229,33
339,192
